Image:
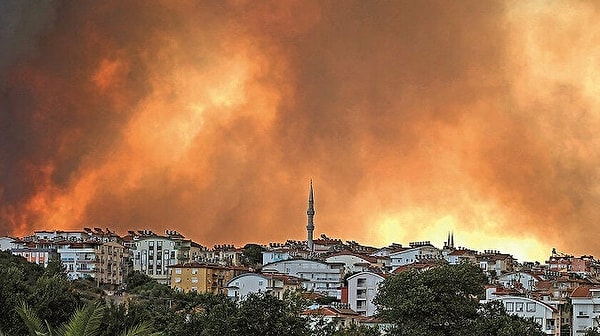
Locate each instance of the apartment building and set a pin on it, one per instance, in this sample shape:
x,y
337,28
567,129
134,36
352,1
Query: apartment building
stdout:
x,y
201,278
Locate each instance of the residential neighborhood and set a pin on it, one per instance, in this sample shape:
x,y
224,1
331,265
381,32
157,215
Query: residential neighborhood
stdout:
x,y
561,295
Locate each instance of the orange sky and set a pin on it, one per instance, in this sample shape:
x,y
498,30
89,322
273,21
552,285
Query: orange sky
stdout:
x,y
414,118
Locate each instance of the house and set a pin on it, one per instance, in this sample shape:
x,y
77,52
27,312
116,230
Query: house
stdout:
x,y
352,262
34,253
417,251
275,283
152,253
224,255
9,243
320,277
275,255
461,255
339,316
543,314
75,236
521,281
79,258
495,263
585,301
201,278
112,263
362,289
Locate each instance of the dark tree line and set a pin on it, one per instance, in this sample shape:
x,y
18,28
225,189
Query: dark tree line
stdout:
x,y
437,302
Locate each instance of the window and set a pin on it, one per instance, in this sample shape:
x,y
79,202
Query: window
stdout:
x,y
530,306
151,245
519,307
194,271
172,254
194,280
510,306
194,289
362,282
260,283
159,245
178,271
150,271
158,271
177,280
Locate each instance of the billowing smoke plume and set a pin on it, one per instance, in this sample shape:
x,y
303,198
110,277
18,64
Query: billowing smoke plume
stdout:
x,y
413,119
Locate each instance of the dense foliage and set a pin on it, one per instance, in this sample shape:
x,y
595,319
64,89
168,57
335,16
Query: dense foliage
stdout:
x,y
444,301
30,296
252,255
50,295
437,302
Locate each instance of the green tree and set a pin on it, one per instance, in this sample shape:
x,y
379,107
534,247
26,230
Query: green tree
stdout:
x,y
252,255
53,299
495,321
436,302
264,314
443,301
55,267
17,280
85,321
136,279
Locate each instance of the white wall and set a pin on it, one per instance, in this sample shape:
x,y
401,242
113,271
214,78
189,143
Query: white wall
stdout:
x,y
540,312
349,261
321,277
148,260
239,287
412,255
365,285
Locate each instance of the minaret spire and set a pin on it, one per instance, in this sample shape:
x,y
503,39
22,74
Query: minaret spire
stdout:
x,y
310,227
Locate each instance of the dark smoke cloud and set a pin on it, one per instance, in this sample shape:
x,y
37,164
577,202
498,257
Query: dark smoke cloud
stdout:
x,y
413,118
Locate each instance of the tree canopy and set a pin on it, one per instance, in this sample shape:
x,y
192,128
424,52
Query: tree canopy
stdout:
x,y
444,301
252,255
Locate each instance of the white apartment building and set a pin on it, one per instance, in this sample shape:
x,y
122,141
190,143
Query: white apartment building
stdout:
x,y
586,309
35,255
521,281
362,289
79,259
275,255
353,262
9,243
545,315
59,234
151,256
320,277
417,251
242,285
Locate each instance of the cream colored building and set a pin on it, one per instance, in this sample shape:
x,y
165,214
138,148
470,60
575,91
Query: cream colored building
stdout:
x,y
201,278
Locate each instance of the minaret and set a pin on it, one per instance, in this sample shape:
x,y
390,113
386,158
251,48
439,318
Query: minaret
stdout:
x,y
310,227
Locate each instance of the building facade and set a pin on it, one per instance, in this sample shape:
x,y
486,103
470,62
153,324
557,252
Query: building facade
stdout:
x,y
202,278
319,276
362,289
